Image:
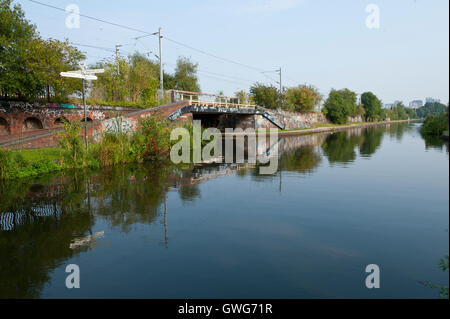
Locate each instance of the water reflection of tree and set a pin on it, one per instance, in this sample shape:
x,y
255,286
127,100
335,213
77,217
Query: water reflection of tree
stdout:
x,y
128,196
40,221
435,142
189,192
304,159
398,130
340,148
372,138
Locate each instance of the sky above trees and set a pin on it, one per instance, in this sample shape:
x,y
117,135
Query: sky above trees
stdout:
x,y
323,43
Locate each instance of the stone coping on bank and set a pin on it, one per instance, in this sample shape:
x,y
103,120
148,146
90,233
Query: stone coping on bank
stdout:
x,y
328,128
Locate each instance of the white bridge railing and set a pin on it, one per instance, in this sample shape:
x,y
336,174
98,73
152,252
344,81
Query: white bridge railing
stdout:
x,y
203,99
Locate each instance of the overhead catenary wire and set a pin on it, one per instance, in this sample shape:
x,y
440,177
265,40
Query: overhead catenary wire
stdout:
x,y
93,18
146,34
213,55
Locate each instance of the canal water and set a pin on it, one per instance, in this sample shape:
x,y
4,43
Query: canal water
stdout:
x,y
338,203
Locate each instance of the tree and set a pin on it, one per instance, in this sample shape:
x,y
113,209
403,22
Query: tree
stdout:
x,y
49,59
340,105
111,86
400,110
267,96
434,108
29,65
186,76
17,76
243,97
143,80
372,106
303,98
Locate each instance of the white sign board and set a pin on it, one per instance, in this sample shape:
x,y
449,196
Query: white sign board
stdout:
x,y
78,75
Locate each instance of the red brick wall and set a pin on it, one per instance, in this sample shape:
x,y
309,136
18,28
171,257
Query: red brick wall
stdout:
x,y
50,138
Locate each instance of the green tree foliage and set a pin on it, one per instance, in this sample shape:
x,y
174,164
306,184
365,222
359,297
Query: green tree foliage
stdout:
x,y
243,97
72,144
266,96
372,106
133,80
303,98
340,105
399,112
435,125
431,108
151,141
185,76
50,58
143,80
17,77
29,65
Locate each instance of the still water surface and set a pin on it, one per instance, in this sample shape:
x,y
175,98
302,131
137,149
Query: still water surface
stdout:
x,y
338,203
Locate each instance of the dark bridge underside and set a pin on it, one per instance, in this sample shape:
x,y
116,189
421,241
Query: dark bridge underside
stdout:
x,y
211,112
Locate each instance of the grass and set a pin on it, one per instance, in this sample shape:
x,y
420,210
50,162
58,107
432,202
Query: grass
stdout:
x,y
150,142
46,154
297,129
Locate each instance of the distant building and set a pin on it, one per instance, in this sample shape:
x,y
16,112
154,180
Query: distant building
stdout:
x,y
389,106
431,100
416,104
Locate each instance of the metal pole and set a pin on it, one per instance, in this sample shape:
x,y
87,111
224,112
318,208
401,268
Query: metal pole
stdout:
x,y
85,114
281,90
161,71
281,86
117,58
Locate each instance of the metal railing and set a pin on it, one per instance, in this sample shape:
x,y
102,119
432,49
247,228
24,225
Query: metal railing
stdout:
x,y
204,99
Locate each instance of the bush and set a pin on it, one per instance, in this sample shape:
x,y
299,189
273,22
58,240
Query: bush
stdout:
x,y
14,166
435,125
151,141
340,105
113,149
303,98
72,144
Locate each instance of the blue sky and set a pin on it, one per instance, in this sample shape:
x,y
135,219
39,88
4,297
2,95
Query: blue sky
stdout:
x,y
323,42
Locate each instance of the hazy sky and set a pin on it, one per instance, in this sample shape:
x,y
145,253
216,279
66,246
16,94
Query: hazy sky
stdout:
x,y
325,43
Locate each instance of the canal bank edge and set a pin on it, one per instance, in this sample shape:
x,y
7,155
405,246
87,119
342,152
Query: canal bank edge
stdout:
x,y
315,130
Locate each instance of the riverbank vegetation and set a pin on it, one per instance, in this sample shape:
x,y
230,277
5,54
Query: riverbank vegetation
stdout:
x,y
341,105
150,142
443,290
436,125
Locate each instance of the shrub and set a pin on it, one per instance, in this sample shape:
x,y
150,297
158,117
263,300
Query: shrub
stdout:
x,y
340,105
303,98
14,166
435,125
114,148
71,143
151,141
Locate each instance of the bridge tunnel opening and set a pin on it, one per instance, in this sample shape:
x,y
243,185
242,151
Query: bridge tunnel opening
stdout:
x,y
60,121
32,124
223,121
4,127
